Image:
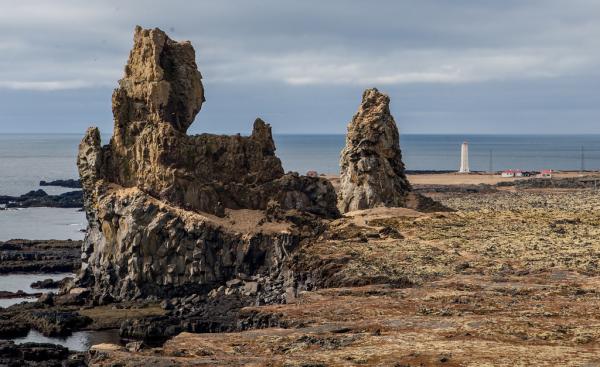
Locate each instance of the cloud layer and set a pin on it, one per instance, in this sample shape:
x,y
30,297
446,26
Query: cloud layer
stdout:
x,y
320,48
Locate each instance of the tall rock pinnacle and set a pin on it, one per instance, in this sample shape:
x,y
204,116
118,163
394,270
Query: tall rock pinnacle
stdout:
x,y
372,172
157,199
161,82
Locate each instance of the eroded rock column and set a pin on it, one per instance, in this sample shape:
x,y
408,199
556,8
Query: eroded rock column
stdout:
x,y
372,172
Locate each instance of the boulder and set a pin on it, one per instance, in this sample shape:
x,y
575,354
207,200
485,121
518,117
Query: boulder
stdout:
x,y
372,172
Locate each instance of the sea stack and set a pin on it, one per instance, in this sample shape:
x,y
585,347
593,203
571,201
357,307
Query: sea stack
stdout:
x,y
171,213
372,172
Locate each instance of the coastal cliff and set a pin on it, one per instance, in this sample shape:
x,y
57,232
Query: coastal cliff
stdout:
x,y
173,214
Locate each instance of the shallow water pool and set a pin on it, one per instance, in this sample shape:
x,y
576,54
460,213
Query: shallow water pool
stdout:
x,y
79,341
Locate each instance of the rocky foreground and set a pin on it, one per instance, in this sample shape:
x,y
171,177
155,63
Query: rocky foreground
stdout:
x,y
508,279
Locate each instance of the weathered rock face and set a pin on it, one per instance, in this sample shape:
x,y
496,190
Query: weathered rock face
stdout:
x,y
372,172
146,247
155,197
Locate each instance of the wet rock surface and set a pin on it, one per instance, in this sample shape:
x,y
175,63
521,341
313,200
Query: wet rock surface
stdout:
x,y
372,172
38,256
39,198
38,354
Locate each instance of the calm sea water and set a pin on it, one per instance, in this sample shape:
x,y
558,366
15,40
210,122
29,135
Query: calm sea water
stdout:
x,y
27,159
17,282
442,152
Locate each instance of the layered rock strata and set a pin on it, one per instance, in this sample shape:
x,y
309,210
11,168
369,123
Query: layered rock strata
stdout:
x,y
372,172
171,213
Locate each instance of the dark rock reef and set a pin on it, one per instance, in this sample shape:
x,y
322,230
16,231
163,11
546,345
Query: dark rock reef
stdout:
x,y
69,183
39,198
32,256
38,354
171,214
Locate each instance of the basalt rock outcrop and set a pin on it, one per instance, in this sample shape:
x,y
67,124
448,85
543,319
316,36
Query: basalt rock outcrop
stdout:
x,y
171,213
372,172
39,198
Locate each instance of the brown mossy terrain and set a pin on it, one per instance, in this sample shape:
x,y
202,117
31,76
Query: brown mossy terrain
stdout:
x,y
510,278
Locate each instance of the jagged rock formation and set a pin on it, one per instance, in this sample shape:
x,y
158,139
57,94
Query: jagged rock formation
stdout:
x,y
372,172
160,203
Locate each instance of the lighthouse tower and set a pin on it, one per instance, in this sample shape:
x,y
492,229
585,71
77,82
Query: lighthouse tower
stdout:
x,y
464,158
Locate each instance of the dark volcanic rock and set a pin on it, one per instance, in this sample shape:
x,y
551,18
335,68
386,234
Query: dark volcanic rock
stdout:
x,y
372,172
10,328
17,294
70,183
554,183
47,284
38,354
465,189
57,323
220,311
31,256
39,198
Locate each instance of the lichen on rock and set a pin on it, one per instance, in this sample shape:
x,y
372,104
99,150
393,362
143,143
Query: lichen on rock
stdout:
x,y
372,171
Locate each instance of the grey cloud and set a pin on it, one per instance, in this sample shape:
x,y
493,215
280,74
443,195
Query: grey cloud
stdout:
x,y
485,65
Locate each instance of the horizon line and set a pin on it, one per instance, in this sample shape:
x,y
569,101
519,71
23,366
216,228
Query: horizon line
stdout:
x,y
332,134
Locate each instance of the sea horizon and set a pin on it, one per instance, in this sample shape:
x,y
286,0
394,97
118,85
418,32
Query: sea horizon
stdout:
x,y
108,134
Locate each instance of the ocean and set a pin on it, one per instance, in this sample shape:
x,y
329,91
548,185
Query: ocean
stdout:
x,y
27,159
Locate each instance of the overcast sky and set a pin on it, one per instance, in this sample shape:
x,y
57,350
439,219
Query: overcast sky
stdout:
x,y
454,66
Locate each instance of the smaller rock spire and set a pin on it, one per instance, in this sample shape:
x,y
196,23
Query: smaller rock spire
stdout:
x,y
372,172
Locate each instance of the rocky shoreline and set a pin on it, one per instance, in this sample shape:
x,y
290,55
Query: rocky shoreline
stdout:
x,y
339,274
34,256
39,198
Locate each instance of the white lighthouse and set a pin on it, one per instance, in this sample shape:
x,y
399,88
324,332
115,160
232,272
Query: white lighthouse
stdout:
x,y
464,158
